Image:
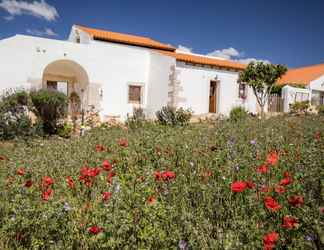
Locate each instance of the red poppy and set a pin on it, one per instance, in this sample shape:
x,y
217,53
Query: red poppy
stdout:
x,y
271,204
100,148
286,174
296,200
262,169
106,165
2,158
286,181
110,176
28,183
47,194
321,209
123,142
106,196
250,185
264,189
87,175
270,240
280,189
47,181
70,182
317,135
238,186
151,200
168,175
272,158
21,171
289,222
158,175
95,230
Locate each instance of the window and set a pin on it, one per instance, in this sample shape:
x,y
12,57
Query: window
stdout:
x,y
135,94
58,86
51,85
242,91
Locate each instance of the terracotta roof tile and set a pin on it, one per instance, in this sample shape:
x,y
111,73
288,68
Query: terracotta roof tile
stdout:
x,y
302,75
125,39
196,59
160,47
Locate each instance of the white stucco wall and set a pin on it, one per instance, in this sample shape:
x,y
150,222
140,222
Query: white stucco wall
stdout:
x,y
158,82
317,84
110,67
195,84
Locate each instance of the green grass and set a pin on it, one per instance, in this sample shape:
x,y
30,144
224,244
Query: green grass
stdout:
x,y
196,210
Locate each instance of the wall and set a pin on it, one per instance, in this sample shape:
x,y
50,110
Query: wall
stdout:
x,y
195,83
110,67
317,84
158,82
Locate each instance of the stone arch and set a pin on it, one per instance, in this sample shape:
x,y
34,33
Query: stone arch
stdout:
x,y
67,76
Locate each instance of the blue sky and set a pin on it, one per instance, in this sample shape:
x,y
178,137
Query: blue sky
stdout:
x,y
280,31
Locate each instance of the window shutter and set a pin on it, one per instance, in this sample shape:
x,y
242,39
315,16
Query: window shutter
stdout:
x,y
134,94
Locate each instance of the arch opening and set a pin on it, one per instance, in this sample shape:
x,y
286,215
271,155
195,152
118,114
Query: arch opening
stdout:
x,y
68,77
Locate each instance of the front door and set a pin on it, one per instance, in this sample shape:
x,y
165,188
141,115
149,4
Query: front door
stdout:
x,y
212,97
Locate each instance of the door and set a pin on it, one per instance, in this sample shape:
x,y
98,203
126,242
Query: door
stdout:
x,y
212,97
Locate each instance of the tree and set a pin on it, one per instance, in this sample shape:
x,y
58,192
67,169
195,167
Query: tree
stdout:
x,y
262,77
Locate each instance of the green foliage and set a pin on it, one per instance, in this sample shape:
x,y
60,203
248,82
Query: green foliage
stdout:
x,y
262,77
320,109
238,114
299,107
65,130
14,120
51,106
13,100
173,117
138,118
197,209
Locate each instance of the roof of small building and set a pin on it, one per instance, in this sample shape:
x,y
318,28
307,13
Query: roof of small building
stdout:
x,y
205,60
110,36
165,49
302,76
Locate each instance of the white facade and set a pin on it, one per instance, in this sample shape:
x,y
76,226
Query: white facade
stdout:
x,y
101,73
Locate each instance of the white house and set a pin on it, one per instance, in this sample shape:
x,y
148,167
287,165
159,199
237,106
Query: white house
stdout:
x,y
303,84
115,72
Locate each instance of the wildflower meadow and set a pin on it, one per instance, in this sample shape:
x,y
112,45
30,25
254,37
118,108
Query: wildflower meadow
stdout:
x,y
251,184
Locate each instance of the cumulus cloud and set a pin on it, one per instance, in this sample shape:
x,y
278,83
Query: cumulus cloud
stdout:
x,y
38,9
249,60
234,55
184,49
225,53
45,32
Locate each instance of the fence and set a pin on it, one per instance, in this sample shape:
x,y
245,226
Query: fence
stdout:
x,y
275,103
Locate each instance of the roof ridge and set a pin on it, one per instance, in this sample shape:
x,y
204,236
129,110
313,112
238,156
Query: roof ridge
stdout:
x,y
125,36
308,66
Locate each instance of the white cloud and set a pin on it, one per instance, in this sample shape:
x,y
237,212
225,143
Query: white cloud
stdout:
x,y
8,18
234,55
184,49
45,32
38,9
225,53
249,60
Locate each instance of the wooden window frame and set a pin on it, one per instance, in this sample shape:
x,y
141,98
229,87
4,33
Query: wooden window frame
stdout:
x,y
242,94
136,85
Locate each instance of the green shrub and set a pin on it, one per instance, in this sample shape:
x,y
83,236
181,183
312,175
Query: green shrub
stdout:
x,y
320,109
14,100
138,118
51,106
14,120
173,117
238,114
65,130
299,107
